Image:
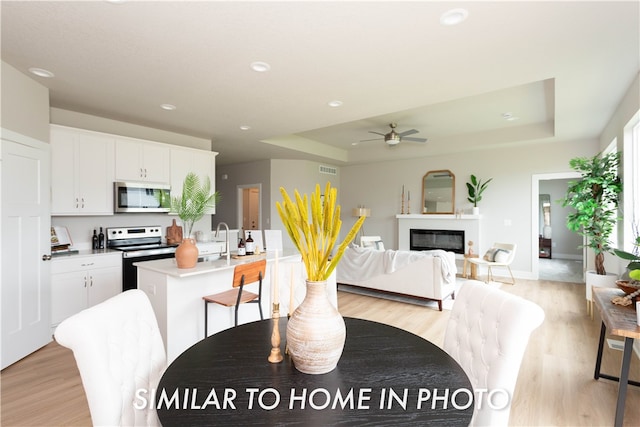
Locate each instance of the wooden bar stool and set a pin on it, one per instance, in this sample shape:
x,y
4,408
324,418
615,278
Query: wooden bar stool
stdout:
x,y
243,274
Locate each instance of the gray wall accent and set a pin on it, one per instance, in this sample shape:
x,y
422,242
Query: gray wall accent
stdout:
x,y
228,178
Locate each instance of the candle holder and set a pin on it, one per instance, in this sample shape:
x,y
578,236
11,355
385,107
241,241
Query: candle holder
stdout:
x,y
275,356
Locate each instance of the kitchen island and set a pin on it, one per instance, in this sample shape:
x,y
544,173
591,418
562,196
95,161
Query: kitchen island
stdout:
x,y
176,294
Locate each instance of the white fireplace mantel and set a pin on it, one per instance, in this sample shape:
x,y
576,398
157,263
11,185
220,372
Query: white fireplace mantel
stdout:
x,y
469,223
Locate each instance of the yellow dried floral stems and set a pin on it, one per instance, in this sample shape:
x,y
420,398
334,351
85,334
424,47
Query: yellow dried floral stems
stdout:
x,y
315,237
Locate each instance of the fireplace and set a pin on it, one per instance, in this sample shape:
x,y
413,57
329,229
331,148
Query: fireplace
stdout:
x,y
448,240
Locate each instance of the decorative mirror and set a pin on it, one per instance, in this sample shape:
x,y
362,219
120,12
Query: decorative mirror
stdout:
x,y
438,192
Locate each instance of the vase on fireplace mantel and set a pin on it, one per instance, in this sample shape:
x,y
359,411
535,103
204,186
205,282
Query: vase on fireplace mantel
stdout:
x,y
475,210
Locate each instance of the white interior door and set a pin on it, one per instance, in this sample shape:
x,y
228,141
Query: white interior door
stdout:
x,y
249,207
25,248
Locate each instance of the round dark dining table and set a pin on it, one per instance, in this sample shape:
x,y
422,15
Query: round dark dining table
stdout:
x,y
386,376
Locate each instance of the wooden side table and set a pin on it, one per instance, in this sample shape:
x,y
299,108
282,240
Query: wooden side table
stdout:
x,y
621,321
474,267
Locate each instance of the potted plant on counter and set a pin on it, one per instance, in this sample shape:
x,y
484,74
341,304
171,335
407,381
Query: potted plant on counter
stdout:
x,y
196,199
595,199
475,188
316,330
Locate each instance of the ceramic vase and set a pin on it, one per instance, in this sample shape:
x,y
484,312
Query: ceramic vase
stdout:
x,y
187,254
315,332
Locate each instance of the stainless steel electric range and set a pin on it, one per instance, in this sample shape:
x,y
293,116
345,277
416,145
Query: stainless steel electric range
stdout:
x,y
137,244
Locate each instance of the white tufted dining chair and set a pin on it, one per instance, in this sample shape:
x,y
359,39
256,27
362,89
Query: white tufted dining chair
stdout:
x,y
487,334
119,350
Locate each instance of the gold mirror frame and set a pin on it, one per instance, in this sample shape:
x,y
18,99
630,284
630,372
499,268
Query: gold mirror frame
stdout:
x,y
439,192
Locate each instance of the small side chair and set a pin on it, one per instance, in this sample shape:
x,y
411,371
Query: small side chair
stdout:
x,y
243,274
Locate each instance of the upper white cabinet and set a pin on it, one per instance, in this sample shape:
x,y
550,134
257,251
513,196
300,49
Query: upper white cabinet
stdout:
x,y
185,160
81,172
138,160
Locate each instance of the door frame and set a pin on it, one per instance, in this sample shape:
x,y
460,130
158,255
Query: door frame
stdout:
x,y
240,205
535,201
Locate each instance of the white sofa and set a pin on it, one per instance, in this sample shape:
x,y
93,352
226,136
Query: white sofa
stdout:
x,y
428,274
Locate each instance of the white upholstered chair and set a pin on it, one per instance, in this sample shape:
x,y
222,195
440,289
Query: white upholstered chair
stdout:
x,y
487,334
500,255
119,350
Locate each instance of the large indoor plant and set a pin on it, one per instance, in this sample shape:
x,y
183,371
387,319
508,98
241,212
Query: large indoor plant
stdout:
x,y
475,188
196,199
595,199
316,330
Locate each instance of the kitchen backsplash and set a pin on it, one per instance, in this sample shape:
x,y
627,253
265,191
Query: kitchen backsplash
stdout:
x,y
81,227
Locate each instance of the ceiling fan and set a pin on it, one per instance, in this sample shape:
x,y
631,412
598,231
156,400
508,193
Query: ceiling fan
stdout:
x,y
393,138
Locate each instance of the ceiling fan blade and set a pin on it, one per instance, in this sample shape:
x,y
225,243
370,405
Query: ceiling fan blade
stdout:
x,y
410,139
408,132
374,139
377,133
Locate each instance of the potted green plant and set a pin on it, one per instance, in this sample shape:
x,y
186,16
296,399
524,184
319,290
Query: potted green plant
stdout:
x,y
475,188
196,199
595,199
316,330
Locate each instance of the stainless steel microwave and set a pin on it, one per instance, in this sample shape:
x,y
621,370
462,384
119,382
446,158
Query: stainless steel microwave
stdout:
x,y
141,197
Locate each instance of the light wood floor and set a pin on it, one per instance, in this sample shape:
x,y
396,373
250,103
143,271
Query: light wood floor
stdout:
x,y
555,386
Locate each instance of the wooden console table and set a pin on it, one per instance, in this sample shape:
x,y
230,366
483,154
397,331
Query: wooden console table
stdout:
x,y
621,322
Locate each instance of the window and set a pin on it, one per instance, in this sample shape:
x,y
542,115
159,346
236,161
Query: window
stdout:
x,y
631,190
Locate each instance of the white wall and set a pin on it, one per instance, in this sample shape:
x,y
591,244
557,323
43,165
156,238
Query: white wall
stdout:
x,y
24,104
101,124
506,205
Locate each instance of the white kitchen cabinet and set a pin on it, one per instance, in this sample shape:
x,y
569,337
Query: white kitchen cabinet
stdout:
x,y
185,160
139,160
79,282
81,172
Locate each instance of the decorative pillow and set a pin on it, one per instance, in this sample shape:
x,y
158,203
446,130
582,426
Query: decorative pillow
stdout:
x,y
496,255
490,255
502,255
379,245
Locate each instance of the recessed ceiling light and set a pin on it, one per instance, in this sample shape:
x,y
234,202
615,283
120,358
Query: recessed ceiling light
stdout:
x,y
335,103
260,67
245,127
453,16
41,72
168,107
509,117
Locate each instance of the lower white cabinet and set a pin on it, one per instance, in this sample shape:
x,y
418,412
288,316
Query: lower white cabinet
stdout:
x,y
79,282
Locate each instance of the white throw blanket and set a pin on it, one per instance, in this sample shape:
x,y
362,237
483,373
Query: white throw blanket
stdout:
x,y
448,264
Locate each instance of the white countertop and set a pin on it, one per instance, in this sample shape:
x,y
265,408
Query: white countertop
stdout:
x,y
168,265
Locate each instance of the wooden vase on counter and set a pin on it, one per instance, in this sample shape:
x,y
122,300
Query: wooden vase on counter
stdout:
x,y
187,254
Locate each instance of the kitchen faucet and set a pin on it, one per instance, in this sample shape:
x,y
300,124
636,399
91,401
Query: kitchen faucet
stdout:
x,y
227,245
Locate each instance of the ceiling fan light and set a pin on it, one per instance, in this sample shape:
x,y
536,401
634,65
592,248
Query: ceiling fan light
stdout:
x,y
393,140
